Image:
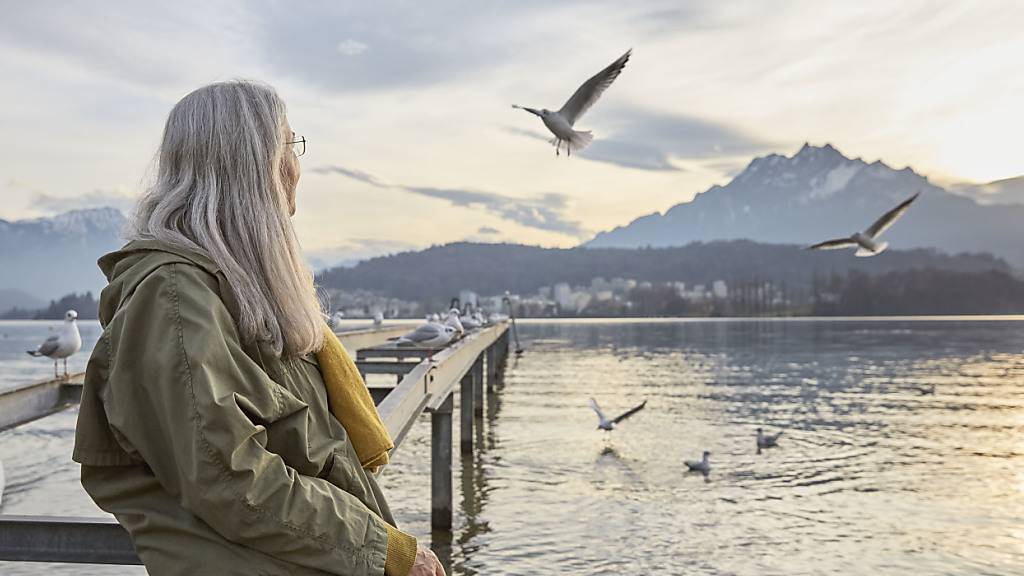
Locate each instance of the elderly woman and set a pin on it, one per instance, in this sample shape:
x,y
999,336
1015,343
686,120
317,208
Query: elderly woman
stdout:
x,y
205,425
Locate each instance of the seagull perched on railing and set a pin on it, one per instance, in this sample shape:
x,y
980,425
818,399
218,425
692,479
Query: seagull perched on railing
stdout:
x,y
608,425
454,321
865,241
429,335
561,122
62,344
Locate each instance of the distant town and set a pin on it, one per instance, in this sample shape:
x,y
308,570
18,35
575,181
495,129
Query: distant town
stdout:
x,y
916,291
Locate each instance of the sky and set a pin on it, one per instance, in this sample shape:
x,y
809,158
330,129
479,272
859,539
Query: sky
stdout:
x,y
406,106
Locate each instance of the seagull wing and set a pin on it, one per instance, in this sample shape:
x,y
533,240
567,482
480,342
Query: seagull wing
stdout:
x,y
890,217
49,346
591,90
833,244
424,332
593,404
629,413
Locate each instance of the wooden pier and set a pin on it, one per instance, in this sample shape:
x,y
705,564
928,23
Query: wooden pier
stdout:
x,y
426,379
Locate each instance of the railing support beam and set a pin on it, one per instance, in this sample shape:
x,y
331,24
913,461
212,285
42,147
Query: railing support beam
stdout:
x,y
441,466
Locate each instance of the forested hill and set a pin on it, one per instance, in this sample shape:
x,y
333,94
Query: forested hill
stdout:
x,y
437,273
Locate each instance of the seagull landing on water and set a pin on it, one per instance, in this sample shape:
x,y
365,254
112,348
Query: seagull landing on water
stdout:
x,y
561,122
767,440
608,425
62,344
703,465
865,241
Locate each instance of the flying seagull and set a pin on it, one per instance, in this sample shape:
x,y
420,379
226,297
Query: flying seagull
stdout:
x,y
703,465
606,424
62,344
561,122
865,241
767,440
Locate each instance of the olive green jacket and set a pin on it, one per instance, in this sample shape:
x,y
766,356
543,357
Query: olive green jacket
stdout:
x,y
217,456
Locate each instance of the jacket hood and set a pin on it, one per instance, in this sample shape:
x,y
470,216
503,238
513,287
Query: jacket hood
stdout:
x,y
127,267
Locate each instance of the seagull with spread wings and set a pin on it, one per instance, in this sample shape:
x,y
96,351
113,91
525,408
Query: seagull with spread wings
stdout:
x,y
609,424
561,122
866,241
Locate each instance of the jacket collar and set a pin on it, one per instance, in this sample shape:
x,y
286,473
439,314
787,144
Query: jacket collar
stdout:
x,y
108,262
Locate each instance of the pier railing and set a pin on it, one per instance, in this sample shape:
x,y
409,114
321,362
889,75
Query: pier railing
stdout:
x,y
426,381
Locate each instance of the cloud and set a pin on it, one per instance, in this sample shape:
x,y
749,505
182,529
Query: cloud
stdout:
x,y
413,44
629,155
354,250
488,230
350,47
542,211
353,174
115,198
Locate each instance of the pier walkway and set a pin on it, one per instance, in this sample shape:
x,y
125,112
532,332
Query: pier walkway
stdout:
x,y
425,379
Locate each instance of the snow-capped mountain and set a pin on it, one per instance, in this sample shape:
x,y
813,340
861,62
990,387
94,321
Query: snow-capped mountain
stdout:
x,y
818,194
50,257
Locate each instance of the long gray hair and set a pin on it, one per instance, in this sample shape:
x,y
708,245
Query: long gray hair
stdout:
x,y
219,191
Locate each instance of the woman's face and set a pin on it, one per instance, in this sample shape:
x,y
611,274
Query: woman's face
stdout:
x,y
290,170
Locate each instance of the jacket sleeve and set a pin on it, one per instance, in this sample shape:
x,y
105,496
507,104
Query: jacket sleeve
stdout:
x,y
185,397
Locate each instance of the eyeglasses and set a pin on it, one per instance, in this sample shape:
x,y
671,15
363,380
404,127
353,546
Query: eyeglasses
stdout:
x,y
298,145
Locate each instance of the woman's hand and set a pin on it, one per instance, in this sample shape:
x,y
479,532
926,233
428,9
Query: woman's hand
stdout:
x,y
426,564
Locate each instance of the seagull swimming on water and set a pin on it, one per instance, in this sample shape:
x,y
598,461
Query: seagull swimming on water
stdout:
x,y
866,241
560,122
767,440
609,424
703,465
62,344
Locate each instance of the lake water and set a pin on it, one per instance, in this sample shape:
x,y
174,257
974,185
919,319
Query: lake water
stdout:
x,y
874,473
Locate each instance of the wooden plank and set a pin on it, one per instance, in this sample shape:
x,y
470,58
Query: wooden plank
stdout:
x,y
478,386
31,401
441,466
355,340
385,366
397,352
65,539
491,366
466,414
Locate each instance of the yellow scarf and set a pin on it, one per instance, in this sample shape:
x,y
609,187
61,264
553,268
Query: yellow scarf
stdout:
x,y
350,402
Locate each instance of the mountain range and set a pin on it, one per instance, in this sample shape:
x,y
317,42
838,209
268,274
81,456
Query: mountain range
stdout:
x,y
816,194
1005,191
819,194
436,274
45,258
